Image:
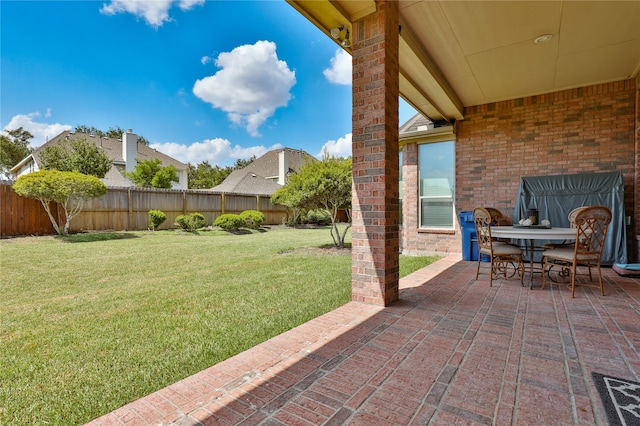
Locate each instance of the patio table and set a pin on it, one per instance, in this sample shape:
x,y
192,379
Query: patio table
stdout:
x,y
533,233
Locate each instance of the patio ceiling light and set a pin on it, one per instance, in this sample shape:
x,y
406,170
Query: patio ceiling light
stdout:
x,y
543,39
337,32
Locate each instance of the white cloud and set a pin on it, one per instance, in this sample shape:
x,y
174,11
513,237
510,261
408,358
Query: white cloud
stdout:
x,y
251,84
189,4
41,131
215,151
154,12
340,70
339,148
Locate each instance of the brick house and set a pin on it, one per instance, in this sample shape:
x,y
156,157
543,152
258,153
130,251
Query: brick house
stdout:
x,y
519,134
522,88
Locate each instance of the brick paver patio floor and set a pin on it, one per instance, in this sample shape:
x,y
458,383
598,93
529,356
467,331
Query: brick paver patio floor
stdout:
x,y
452,350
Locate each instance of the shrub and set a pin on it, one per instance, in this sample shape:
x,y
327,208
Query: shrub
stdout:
x,y
294,218
319,217
191,222
253,219
181,221
69,189
156,218
229,222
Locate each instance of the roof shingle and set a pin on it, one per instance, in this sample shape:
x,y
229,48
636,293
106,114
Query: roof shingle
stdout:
x,y
260,177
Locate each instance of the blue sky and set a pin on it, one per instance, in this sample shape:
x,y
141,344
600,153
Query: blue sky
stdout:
x,y
214,80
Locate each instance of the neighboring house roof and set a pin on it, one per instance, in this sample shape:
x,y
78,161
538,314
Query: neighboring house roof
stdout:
x,y
267,165
249,183
113,148
417,123
115,178
261,176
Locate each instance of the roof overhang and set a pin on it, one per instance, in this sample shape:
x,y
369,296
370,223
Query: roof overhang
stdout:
x,y
455,54
22,163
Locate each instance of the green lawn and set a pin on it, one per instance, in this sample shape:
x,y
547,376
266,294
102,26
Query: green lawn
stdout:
x,y
91,322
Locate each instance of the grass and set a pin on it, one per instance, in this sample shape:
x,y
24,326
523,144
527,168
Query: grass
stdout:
x,y
91,322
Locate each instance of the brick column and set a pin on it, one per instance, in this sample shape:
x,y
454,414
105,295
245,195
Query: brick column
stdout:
x,y
635,229
410,197
375,249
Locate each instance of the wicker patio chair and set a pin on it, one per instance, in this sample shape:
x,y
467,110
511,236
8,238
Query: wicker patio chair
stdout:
x,y
572,224
498,219
591,230
501,256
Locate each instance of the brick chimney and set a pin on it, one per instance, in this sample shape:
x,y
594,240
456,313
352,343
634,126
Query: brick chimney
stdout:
x,y
283,166
129,149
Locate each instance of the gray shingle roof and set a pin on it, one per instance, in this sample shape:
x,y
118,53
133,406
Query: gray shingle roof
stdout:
x,y
249,183
417,123
113,148
258,177
267,165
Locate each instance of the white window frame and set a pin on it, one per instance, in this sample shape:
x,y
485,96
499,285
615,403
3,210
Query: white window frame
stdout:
x,y
450,198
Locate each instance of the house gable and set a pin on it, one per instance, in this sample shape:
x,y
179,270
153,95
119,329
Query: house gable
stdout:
x,y
262,175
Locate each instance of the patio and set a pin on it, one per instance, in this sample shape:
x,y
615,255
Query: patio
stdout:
x,y
451,350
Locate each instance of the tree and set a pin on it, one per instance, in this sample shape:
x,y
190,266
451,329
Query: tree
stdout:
x,y
151,174
78,155
113,132
291,197
14,146
241,164
165,177
320,185
203,175
69,189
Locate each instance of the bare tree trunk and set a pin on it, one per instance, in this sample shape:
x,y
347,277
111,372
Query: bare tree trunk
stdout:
x,y
53,220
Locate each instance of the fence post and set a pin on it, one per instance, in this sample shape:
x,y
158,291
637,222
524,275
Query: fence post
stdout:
x,y
222,203
184,202
130,210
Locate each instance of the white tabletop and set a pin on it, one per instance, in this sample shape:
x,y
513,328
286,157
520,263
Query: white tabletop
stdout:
x,y
533,233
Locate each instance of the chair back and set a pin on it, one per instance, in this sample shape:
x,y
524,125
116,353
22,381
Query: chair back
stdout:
x,y
591,224
572,216
483,221
497,218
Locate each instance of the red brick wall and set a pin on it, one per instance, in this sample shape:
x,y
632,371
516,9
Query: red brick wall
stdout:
x,y
588,129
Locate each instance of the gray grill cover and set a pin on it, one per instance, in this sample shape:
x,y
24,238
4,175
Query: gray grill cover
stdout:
x,y
556,196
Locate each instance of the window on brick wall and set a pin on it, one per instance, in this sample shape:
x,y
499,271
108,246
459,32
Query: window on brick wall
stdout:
x,y
436,176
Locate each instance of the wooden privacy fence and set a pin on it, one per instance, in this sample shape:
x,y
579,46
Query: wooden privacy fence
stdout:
x,y
22,216
127,209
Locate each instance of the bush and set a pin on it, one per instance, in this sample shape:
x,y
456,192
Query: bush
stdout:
x,y
229,222
70,190
156,218
319,217
253,219
294,218
191,222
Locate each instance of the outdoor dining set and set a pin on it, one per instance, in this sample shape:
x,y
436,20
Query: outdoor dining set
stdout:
x,y
562,249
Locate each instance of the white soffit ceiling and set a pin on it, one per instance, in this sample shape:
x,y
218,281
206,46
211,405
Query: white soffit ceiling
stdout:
x,y
463,53
487,52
